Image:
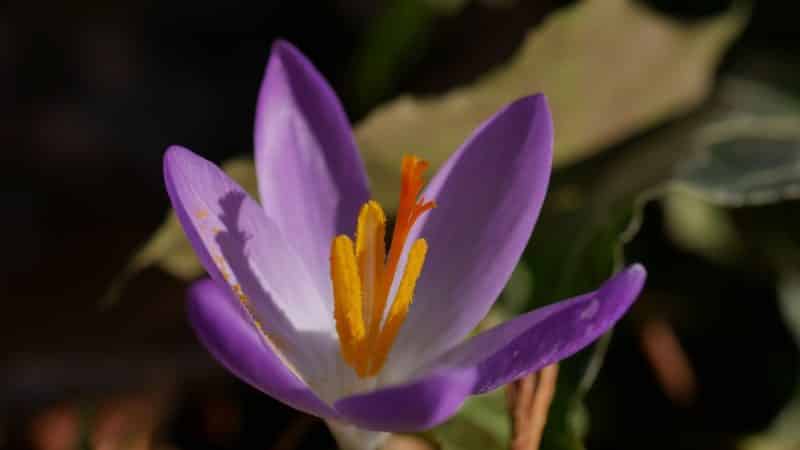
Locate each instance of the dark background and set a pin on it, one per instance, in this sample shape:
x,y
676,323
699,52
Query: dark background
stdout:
x,y
90,96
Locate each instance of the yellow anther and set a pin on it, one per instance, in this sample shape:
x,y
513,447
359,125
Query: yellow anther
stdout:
x,y
399,310
347,299
370,252
363,278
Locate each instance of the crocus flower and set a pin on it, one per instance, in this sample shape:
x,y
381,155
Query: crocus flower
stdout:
x,y
323,321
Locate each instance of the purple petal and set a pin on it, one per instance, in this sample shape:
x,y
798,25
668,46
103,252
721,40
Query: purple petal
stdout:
x,y
488,197
413,406
227,332
242,248
546,335
311,179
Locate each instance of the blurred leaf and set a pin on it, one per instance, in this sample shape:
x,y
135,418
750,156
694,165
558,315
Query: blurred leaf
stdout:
x,y
701,227
481,424
576,58
747,156
517,293
789,296
783,434
390,43
746,161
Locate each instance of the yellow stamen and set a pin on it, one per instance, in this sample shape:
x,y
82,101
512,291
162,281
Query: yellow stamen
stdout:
x,y
399,310
362,280
347,299
370,253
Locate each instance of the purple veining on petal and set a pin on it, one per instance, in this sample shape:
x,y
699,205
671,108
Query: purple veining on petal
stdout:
x,y
413,406
547,335
227,332
311,178
488,196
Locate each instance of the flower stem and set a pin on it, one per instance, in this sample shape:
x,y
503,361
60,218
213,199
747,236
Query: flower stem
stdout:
x,y
529,400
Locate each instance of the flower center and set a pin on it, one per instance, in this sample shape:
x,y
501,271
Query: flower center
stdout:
x,y
362,275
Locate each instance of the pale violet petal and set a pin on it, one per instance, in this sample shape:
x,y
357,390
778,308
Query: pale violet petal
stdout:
x,y
228,333
311,178
242,248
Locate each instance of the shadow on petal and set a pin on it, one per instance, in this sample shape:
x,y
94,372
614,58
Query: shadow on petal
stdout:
x,y
298,329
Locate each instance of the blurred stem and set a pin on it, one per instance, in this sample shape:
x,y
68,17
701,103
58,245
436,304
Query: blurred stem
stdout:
x,y
648,195
595,363
669,361
529,400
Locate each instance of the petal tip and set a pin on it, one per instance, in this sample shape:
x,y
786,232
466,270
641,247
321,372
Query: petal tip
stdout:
x,y
638,269
536,110
285,55
280,46
537,100
636,273
174,157
533,104
173,153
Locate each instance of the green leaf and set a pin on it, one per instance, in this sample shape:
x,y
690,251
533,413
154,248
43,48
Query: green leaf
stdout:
x,y
575,58
746,161
701,227
748,155
481,424
391,42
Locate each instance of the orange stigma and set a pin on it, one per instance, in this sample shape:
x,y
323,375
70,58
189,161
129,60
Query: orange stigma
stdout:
x,y
362,276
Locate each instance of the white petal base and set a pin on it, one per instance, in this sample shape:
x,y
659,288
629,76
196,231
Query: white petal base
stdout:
x,y
351,438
